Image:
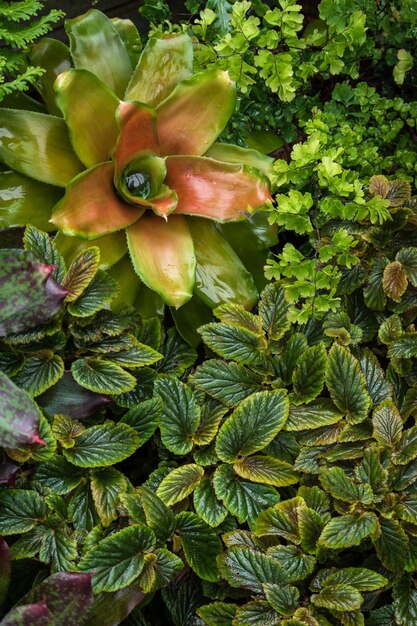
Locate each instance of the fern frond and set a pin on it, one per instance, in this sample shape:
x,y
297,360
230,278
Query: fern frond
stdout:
x,y
20,35
21,82
18,11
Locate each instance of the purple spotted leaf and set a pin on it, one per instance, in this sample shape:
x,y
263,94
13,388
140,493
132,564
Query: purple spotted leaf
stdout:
x,y
28,615
62,599
69,398
8,471
19,417
29,295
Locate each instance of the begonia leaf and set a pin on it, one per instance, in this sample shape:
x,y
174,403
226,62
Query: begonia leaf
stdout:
x,y
179,483
20,510
253,425
192,117
220,274
165,62
212,189
162,254
92,33
26,201
243,567
91,207
92,127
228,382
346,384
200,543
38,145
119,558
102,446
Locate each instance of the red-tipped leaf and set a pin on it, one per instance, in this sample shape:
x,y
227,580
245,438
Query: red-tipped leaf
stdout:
x,y
224,192
91,207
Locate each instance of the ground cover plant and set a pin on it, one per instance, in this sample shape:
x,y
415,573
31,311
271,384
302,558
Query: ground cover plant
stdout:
x,y
238,461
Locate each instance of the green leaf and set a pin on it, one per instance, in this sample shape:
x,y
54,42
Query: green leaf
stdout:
x,y
273,310
408,259
374,295
281,520
387,423
59,549
238,344
217,613
102,376
20,511
286,361
206,504
253,425
403,348
310,525
256,613
211,415
159,516
283,599
200,544
167,566
361,578
243,567
229,383
106,486
39,373
179,483
19,416
348,530
101,446
378,388
346,384
101,290
236,315
405,601
296,564
407,447
81,272
180,414
144,418
178,356
318,413
391,545
57,475
340,486
267,470
81,509
308,375
242,498
44,249
137,355
338,598
119,558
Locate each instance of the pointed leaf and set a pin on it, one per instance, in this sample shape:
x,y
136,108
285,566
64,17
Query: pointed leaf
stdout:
x,y
336,482
346,384
273,311
308,374
36,614
92,127
20,511
220,191
387,423
283,599
96,46
119,558
165,62
196,112
59,549
392,545
144,418
158,515
220,274
91,207
338,598
102,376
130,37
54,57
348,530
236,154
107,485
137,132
81,273
163,256
24,201
243,567
101,446
179,483
267,470
242,498
206,504
180,415
200,543
253,425
99,292
229,383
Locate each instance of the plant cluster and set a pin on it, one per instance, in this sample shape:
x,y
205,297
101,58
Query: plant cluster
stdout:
x,y
20,26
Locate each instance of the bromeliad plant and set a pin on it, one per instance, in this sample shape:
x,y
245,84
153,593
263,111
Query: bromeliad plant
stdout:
x,y
136,151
